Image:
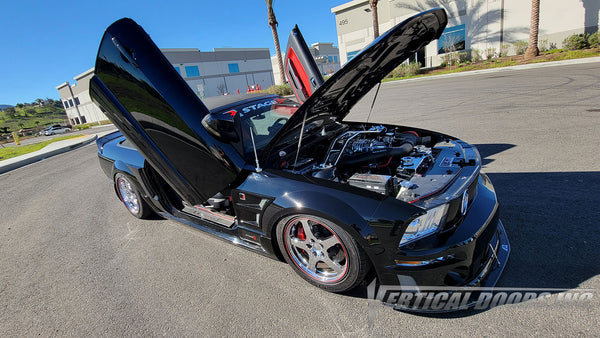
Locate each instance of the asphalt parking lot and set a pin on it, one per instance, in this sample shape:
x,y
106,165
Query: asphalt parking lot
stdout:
x,y
74,262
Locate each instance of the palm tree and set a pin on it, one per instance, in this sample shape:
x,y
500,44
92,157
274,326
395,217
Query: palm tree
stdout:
x,y
373,5
273,24
532,49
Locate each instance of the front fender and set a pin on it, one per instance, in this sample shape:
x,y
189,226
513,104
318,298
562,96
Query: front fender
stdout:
x,y
375,221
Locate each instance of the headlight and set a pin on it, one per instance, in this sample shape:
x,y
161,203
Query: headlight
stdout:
x,y
425,225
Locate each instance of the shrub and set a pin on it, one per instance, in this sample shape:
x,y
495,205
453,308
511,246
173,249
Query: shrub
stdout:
x,y
576,41
404,70
413,68
520,47
489,53
81,126
284,89
543,45
504,50
594,40
475,55
463,57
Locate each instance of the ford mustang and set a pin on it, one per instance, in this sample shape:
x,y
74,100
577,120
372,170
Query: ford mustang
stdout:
x,y
291,179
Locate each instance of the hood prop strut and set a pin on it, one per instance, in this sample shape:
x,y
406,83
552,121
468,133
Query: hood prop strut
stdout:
x,y
300,140
373,103
258,169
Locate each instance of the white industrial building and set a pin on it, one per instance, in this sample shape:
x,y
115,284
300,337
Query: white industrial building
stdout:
x,y
224,70
473,24
77,102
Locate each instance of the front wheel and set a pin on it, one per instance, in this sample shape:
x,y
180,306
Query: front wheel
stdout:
x,y
131,197
322,252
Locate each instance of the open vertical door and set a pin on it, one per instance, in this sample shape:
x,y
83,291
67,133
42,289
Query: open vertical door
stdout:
x,y
143,95
300,67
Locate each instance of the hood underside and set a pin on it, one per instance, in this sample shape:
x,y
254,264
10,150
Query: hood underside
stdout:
x,y
348,85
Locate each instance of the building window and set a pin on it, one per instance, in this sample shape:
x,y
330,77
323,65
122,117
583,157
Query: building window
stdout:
x,y
77,101
177,69
335,59
351,55
452,40
70,103
83,119
192,71
233,68
77,120
66,104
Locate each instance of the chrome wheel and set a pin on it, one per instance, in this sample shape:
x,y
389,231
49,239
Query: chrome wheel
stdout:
x,y
315,249
128,195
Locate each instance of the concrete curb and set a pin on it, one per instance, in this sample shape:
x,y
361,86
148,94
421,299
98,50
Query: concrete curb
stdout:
x,y
503,69
48,151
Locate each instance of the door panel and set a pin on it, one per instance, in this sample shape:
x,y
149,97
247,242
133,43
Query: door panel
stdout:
x,y
301,69
157,111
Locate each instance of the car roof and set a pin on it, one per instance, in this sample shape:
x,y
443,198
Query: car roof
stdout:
x,y
216,102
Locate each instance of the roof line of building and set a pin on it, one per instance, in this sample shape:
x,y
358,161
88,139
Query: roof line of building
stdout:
x,y
84,74
347,5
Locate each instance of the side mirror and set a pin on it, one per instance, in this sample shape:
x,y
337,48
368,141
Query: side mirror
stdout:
x,y
221,126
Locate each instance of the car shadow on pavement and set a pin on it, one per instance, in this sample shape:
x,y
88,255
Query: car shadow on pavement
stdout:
x,y
489,149
551,221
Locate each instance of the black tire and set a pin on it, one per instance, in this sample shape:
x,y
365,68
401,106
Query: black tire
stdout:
x,y
322,252
130,195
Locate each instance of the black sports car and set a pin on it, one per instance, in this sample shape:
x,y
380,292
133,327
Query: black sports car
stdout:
x,y
334,199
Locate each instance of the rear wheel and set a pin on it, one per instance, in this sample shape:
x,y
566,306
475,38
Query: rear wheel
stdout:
x,y
131,197
322,252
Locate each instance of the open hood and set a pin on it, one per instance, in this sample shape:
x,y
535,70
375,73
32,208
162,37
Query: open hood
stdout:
x,y
301,69
341,91
151,104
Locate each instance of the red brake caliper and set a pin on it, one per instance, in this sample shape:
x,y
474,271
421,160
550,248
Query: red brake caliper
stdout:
x,y
300,233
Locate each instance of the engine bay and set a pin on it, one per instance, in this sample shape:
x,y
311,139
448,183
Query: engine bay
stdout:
x,y
388,160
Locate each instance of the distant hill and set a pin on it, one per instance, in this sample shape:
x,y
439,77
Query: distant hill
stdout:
x,y
3,106
33,116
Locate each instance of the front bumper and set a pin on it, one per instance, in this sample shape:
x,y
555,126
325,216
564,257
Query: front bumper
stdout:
x,y
469,259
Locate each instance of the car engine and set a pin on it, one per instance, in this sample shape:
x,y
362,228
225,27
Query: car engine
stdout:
x,y
394,162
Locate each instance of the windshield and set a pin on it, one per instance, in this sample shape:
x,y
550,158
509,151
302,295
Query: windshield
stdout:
x,y
263,120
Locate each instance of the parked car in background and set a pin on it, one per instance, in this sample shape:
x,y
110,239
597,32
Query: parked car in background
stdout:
x,y
56,129
43,131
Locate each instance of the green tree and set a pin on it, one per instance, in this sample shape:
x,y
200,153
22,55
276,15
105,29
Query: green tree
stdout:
x,y
273,23
532,49
31,112
37,125
21,125
373,5
10,112
19,105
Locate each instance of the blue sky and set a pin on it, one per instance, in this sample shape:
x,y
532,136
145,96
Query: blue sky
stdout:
x,y
45,43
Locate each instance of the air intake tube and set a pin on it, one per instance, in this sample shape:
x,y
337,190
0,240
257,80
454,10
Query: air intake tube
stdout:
x,y
365,151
